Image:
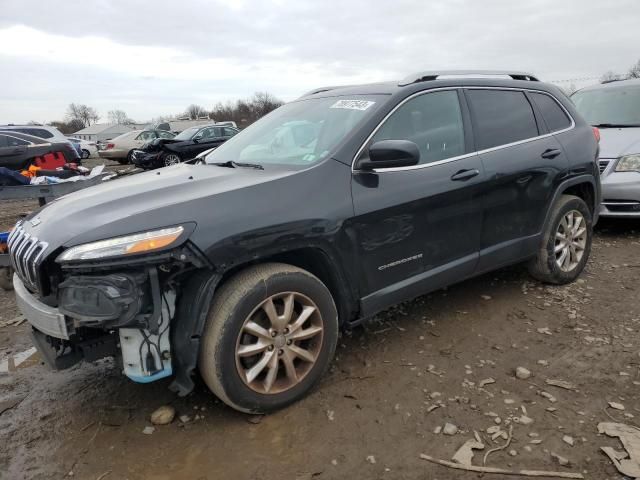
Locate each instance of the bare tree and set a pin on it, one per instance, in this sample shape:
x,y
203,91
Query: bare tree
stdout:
x,y
609,77
194,112
245,112
83,113
634,72
119,116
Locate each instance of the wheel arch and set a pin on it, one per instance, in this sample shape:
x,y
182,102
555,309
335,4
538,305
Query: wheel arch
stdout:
x,y
585,187
319,263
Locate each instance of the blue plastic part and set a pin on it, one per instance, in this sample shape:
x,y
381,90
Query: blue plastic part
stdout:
x,y
4,236
167,372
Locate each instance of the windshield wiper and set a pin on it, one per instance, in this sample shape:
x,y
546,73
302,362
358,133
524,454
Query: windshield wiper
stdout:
x,y
232,164
617,125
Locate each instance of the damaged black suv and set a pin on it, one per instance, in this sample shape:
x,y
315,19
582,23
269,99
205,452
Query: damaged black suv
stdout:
x,y
324,212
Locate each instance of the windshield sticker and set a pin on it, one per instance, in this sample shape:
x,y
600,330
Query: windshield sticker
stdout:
x,y
353,104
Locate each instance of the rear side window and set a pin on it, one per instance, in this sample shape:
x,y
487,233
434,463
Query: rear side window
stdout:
x,y
553,114
36,132
432,121
501,117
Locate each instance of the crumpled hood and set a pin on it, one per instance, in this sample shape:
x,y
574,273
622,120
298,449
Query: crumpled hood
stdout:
x,y
615,142
140,202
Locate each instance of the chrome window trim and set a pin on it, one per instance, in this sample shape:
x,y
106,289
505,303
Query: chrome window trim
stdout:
x,y
466,155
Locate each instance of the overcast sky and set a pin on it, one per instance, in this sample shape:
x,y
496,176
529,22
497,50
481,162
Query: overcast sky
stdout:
x,y
153,57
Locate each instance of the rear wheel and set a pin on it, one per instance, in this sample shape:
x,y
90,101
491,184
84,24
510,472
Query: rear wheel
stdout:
x,y
85,154
270,335
566,243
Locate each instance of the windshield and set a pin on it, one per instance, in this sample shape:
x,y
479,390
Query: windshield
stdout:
x,y
187,134
611,105
298,133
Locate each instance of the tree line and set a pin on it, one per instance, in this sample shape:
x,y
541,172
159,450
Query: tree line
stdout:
x,y
243,112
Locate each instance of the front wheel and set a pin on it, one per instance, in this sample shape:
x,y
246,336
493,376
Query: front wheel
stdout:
x,y
271,333
171,159
566,243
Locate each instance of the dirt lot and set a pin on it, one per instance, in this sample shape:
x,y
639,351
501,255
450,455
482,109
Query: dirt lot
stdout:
x,y
393,384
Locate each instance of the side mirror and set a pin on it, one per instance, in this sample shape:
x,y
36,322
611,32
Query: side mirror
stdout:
x,y
391,154
196,139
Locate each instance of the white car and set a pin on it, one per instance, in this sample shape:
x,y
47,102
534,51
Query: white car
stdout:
x,y
87,148
121,148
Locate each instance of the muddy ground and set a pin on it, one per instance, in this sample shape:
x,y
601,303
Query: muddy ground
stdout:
x,y
394,383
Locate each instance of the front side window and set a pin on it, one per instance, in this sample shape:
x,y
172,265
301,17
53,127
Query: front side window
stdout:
x,y
618,105
501,117
299,133
229,132
553,114
16,142
432,121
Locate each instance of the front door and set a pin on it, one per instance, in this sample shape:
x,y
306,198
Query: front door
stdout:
x,y
418,228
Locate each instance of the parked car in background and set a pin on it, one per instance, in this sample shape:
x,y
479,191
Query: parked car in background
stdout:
x,y
121,148
45,132
87,149
323,213
18,149
184,146
614,108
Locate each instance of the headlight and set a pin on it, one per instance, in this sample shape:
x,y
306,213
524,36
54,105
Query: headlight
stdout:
x,y
127,245
629,163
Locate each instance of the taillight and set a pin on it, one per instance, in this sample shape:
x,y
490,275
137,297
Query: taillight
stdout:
x,y
111,145
596,133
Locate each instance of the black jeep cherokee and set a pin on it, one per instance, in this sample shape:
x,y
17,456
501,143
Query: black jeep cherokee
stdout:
x,y
326,211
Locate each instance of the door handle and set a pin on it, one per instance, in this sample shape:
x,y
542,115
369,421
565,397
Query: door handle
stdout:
x,y
551,153
464,175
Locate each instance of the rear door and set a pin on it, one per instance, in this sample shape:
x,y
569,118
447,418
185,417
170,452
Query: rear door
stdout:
x,y
14,152
522,162
418,228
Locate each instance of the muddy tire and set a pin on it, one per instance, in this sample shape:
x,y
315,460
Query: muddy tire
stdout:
x,y
566,243
270,335
6,278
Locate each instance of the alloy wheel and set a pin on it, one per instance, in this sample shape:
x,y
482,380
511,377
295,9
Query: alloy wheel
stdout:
x,y
171,159
279,343
570,240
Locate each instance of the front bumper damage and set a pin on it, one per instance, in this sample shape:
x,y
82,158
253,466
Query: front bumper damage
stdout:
x,y
146,160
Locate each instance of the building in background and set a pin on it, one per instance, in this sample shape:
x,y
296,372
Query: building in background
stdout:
x,y
100,132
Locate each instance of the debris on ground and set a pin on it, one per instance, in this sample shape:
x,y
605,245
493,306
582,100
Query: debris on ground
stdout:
x,y
616,405
522,373
449,429
486,381
371,459
568,440
560,384
502,471
563,461
148,430
627,462
464,454
163,415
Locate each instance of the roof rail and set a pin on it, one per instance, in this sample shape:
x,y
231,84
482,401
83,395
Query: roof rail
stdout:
x,y
434,75
321,90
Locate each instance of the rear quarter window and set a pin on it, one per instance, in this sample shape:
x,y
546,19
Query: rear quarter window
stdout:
x,y
36,132
552,113
501,117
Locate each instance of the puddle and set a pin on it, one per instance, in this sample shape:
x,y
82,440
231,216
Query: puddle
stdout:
x,y
23,359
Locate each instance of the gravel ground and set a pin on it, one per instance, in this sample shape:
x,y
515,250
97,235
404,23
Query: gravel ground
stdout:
x,y
395,382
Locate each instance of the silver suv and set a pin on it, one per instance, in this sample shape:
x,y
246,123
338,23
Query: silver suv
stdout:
x,y
614,107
